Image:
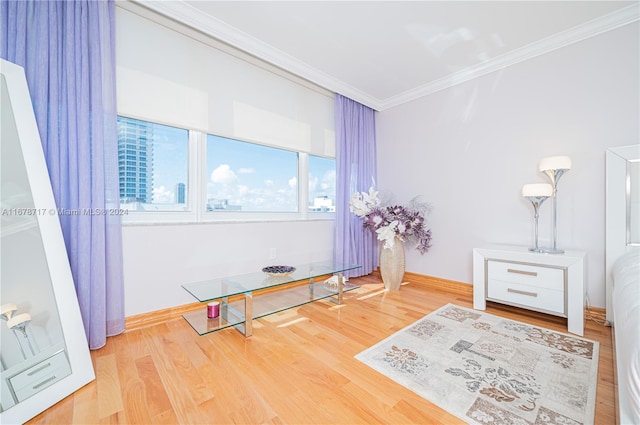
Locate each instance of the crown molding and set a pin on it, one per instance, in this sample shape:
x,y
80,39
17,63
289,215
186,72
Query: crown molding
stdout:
x,y
578,33
216,28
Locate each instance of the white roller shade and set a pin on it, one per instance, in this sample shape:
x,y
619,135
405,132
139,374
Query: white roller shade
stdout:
x,y
167,76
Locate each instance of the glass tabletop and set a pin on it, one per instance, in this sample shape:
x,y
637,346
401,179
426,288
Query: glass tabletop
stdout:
x,y
211,289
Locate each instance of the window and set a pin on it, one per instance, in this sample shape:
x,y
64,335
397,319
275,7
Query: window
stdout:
x,y
322,184
156,150
169,174
244,176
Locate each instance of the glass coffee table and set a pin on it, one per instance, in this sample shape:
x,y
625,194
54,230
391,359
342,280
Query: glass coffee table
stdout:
x,y
238,307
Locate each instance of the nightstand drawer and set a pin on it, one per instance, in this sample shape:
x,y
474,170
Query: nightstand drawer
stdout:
x,y
526,274
534,297
41,375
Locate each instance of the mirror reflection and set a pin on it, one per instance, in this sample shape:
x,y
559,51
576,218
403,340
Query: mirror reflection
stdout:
x,y
32,351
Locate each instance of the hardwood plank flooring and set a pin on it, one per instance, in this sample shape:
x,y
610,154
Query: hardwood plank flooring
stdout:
x,y
297,368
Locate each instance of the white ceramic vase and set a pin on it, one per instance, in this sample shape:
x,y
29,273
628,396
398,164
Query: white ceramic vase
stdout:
x,y
392,265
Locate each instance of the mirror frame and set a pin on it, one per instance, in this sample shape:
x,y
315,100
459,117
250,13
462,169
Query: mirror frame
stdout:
x,y
617,212
64,292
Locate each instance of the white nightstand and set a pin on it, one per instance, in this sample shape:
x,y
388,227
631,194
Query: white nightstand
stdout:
x,y
549,283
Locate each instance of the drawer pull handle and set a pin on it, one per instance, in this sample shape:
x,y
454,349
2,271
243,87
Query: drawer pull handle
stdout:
x,y
46,381
522,272
517,291
41,368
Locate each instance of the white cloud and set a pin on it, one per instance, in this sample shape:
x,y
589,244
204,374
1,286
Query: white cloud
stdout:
x,y
223,174
246,171
162,195
329,180
313,184
259,195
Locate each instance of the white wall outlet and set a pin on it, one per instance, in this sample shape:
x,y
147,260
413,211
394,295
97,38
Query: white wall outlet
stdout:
x,y
273,253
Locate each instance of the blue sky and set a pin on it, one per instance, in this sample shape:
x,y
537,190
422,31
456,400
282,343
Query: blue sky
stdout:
x,y
258,178
170,159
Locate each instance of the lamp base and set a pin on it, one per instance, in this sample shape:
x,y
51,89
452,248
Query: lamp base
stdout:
x,y
541,250
552,250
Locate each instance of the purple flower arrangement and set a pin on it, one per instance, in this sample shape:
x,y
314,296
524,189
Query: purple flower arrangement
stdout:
x,y
396,221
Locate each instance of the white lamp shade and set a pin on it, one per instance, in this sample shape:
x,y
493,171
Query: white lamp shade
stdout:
x,y
8,308
18,320
537,189
555,163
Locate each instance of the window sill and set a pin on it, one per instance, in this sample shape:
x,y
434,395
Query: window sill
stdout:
x,y
173,221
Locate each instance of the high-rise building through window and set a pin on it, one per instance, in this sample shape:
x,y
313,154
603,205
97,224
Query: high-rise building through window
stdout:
x,y
181,193
135,156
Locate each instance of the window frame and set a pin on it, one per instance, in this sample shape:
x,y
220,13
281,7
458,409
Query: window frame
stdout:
x,y
195,211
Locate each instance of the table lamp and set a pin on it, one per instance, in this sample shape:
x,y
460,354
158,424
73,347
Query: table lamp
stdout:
x,y
536,193
554,167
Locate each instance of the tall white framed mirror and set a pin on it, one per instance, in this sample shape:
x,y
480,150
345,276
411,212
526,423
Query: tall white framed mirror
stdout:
x,y
44,355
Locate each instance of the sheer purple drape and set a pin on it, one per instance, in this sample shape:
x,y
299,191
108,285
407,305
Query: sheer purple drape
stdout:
x,y
67,51
355,172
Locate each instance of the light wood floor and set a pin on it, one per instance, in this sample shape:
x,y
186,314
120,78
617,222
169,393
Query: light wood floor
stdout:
x,y
298,368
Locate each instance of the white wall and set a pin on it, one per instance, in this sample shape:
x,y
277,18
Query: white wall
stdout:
x,y
469,149
158,259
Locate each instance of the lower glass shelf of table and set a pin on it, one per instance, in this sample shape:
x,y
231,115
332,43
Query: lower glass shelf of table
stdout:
x,y
244,307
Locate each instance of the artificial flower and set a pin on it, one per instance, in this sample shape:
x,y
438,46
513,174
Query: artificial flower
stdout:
x,y
394,221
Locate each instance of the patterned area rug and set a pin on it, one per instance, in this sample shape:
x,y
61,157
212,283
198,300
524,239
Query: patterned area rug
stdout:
x,y
488,370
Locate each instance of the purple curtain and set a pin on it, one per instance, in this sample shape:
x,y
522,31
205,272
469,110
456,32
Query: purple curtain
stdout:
x,y
67,51
355,172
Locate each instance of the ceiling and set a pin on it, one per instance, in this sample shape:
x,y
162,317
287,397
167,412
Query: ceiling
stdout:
x,y
385,53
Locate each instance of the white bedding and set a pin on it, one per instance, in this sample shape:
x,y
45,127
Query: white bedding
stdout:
x,y
626,312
